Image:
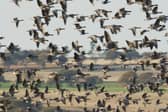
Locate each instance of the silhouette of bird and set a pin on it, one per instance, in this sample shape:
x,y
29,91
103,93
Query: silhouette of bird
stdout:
x,y
143,32
13,48
109,43
134,30
76,46
58,30
17,21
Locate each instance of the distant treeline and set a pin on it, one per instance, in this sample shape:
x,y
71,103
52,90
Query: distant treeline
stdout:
x,y
40,56
26,56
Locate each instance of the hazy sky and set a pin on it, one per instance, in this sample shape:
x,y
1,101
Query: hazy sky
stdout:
x,y
8,10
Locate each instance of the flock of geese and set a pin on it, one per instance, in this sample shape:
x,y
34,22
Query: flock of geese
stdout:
x,y
104,42
49,10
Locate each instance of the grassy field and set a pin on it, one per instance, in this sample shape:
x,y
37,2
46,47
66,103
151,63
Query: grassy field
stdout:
x,y
113,85
109,86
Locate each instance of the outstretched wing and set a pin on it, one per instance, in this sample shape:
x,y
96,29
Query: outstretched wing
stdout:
x,y
107,37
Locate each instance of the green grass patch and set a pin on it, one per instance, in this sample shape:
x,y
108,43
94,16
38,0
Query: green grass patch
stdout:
x,y
5,84
109,86
113,86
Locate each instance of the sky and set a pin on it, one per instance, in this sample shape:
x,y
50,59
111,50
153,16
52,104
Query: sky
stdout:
x,y
20,36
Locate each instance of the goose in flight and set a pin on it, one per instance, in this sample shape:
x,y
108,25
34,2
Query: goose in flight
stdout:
x,y
58,30
134,30
17,21
144,31
155,10
78,26
109,43
39,40
150,43
13,48
76,46
134,44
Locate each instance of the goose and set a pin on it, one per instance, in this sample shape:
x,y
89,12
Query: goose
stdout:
x,y
58,30
109,43
76,46
13,48
39,40
134,30
17,21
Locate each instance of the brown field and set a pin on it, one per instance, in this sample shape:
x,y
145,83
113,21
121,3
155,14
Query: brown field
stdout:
x,y
116,76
